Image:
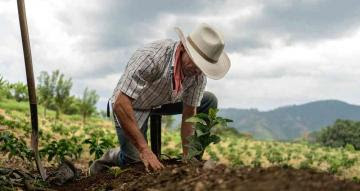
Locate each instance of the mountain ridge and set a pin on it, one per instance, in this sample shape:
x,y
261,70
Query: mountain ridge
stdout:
x,y
291,121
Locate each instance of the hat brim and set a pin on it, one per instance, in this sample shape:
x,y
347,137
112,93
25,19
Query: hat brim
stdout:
x,y
214,71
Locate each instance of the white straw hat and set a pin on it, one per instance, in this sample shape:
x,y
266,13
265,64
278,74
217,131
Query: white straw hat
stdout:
x,y
205,46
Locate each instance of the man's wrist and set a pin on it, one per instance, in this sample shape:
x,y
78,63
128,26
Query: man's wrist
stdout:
x,y
143,148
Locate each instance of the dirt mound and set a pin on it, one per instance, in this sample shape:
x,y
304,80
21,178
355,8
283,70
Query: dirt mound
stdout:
x,y
178,176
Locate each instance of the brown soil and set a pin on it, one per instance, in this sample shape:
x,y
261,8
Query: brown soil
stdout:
x,y
178,176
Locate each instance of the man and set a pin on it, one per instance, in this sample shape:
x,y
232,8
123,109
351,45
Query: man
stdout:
x,y
164,77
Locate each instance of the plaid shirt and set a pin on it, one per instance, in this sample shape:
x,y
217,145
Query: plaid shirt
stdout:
x,y
148,79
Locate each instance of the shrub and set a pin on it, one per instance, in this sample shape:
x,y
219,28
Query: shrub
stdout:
x,y
14,146
63,148
341,133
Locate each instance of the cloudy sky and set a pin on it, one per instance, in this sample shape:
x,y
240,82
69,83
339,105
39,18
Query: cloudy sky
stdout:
x,y
282,51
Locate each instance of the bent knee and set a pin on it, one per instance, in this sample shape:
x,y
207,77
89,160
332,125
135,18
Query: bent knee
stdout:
x,y
211,99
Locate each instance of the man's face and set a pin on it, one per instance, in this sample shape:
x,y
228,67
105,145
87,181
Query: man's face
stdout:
x,y
188,66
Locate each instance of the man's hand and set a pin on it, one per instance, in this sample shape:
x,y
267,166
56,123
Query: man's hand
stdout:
x,y
150,159
125,113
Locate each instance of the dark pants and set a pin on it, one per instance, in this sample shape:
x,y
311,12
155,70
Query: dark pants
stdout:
x,y
129,154
208,101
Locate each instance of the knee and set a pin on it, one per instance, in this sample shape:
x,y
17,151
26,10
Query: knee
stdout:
x,y
211,99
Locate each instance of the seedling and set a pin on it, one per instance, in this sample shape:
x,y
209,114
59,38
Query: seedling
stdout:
x,y
204,127
9,143
116,171
98,146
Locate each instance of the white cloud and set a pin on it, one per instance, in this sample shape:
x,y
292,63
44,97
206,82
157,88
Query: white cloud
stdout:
x,y
293,74
273,61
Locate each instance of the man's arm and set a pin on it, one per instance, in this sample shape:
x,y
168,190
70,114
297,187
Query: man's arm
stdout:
x,y
124,112
186,128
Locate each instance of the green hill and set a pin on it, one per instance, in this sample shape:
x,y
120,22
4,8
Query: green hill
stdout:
x,y
290,122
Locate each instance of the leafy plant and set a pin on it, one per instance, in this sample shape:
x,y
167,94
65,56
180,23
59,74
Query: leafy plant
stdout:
x,y
257,161
116,171
341,133
203,135
62,93
212,155
274,156
14,146
19,91
172,151
62,148
60,128
99,146
4,88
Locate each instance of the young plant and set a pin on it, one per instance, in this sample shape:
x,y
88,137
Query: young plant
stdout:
x,y
15,146
204,127
62,148
99,146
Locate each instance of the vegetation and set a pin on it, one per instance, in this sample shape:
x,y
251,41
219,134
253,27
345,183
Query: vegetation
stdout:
x,y
17,91
205,125
46,89
62,93
341,134
87,103
70,138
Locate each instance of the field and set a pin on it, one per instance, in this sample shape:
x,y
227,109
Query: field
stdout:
x,y
241,162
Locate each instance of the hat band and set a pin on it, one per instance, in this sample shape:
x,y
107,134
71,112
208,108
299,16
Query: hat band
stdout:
x,y
200,52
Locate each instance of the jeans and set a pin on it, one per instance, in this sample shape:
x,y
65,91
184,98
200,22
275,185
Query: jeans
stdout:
x,y
129,154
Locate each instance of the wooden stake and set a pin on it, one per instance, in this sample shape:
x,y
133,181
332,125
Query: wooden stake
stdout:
x,y
31,85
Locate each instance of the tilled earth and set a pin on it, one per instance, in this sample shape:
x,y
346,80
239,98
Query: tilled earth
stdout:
x,y
179,176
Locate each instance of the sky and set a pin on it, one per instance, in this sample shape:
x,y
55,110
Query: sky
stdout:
x,y
282,52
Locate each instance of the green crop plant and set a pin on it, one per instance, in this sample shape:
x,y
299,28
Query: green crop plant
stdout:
x,y
305,164
236,160
346,161
94,131
310,156
16,123
205,126
172,151
274,156
350,148
9,144
99,146
60,149
45,136
60,129
116,171
212,154
257,161
335,164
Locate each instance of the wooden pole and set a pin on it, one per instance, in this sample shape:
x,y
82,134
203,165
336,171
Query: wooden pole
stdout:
x,y
31,85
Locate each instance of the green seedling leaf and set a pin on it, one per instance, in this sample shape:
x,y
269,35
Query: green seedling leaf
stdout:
x,y
196,120
200,133
116,171
203,133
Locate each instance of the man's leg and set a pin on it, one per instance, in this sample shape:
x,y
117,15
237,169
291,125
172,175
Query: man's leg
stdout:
x,y
127,153
208,101
120,156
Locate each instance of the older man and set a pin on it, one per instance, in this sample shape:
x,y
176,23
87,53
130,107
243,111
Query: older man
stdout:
x,y
163,77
